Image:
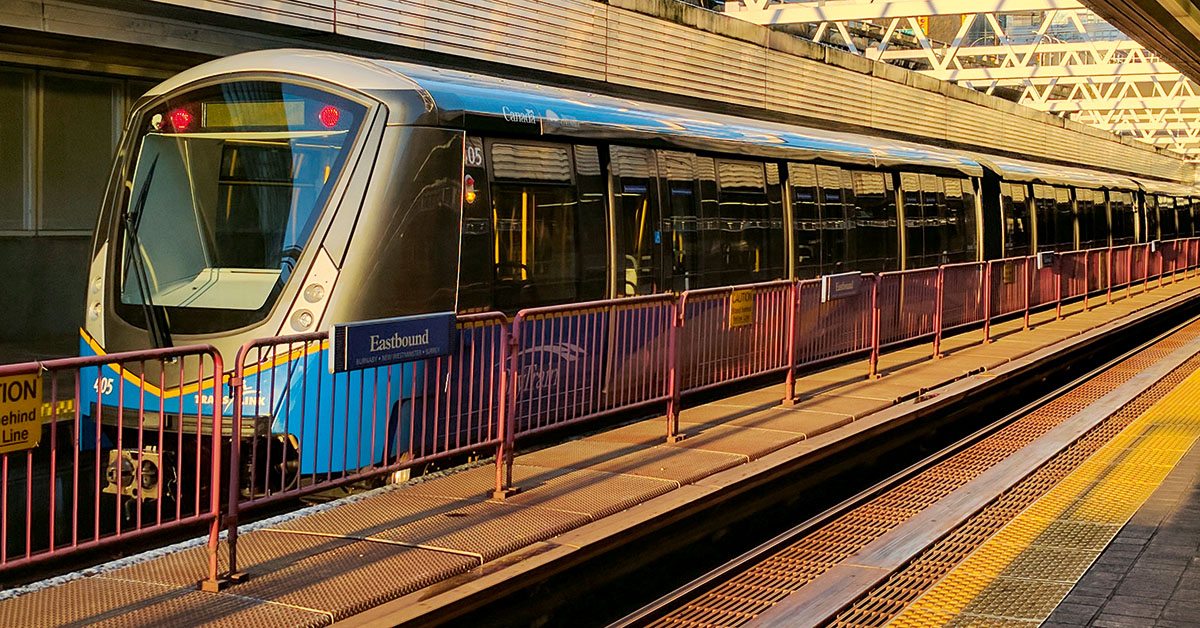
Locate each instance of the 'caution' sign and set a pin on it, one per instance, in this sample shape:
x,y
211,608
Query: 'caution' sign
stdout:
x,y
20,412
741,308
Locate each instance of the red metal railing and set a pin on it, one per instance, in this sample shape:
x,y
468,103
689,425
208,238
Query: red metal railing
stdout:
x,y
293,427
127,447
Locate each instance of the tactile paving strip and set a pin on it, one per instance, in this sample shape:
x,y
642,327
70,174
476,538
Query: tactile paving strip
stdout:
x,y
750,593
1030,564
882,604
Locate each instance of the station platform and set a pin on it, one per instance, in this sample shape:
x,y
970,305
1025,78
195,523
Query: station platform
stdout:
x,y
435,546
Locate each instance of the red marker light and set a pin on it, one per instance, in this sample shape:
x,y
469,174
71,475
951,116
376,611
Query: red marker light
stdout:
x,y
180,119
329,116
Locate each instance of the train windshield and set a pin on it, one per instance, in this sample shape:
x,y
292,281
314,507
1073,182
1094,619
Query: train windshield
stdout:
x,y
228,185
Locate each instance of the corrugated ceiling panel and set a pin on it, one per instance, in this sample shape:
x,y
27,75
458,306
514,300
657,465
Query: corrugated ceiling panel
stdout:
x,y
650,53
565,36
972,124
314,14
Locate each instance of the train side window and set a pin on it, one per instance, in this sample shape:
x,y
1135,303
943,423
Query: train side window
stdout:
x,y
875,217
1043,202
1063,220
534,204
1017,228
1183,207
778,225
914,219
1167,224
806,219
751,249
1123,225
681,219
961,245
476,267
1100,227
635,220
832,197
1151,232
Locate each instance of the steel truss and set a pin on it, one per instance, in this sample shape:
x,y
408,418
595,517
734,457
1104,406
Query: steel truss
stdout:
x,y
1114,84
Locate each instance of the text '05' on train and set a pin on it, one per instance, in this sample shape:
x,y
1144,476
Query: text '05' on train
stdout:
x,y
279,192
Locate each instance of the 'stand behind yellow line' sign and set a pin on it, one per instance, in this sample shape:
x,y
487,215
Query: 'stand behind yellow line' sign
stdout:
x,y
20,412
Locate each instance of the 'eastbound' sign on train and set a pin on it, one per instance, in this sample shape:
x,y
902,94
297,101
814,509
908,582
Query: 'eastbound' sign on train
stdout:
x,y
390,341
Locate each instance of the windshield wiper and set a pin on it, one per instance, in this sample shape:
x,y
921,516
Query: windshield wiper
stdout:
x,y
156,317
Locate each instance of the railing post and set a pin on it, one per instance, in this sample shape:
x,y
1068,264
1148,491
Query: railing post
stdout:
x,y
987,303
509,351
215,582
1108,295
1087,280
789,385
673,370
1146,275
1030,269
873,369
1058,279
937,312
1129,273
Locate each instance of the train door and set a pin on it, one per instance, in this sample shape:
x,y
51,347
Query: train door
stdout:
x,y
478,250
806,220
992,224
1018,229
680,206
636,223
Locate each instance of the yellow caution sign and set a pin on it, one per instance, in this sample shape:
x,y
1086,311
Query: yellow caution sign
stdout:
x,y
20,412
741,308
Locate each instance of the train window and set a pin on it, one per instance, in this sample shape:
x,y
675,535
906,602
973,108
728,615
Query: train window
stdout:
x,y
924,219
961,234
477,265
712,238
1093,218
1123,225
875,218
1064,218
681,221
806,219
534,225
635,220
1183,207
1043,212
752,249
1017,228
832,196
1167,225
1151,213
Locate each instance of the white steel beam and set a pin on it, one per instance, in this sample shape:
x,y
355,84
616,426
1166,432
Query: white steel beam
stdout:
x,y
766,12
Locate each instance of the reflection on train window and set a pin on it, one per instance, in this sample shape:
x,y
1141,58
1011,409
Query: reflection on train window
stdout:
x,y
806,219
750,243
1017,228
833,198
534,226
635,220
961,231
1151,212
924,219
1123,224
681,222
1183,207
1167,225
1092,215
875,239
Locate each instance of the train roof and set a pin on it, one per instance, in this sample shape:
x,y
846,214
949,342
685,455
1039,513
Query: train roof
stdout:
x,y
1021,170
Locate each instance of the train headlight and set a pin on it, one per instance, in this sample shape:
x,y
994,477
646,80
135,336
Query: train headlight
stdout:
x,y
302,319
97,285
95,311
149,474
314,292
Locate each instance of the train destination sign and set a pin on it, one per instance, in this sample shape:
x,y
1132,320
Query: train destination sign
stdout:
x,y
390,341
20,412
741,308
839,286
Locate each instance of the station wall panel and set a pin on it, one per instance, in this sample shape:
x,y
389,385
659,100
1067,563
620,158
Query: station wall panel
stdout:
x,y
312,14
802,86
566,36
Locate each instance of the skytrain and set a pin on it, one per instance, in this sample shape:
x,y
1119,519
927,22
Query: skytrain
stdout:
x,y
279,192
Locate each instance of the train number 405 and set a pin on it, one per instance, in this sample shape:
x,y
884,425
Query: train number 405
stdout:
x,y
103,385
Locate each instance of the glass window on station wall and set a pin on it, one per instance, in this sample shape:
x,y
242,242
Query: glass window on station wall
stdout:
x,y
1016,215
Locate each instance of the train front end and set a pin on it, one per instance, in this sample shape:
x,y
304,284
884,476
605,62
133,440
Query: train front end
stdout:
x,y
238,189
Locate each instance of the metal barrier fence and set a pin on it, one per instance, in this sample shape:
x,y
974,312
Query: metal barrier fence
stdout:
x,y
126,445
290,426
